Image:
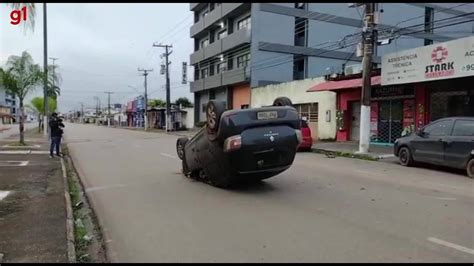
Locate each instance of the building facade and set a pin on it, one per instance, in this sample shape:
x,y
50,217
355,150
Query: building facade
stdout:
x,y
8,104
413,88
241,46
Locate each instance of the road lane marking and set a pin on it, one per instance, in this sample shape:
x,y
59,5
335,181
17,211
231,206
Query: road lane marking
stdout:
x,y
3,194
451,245
103,187
168,155
443,198
13,163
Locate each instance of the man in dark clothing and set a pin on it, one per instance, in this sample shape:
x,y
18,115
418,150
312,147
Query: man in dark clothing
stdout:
x,y
55,125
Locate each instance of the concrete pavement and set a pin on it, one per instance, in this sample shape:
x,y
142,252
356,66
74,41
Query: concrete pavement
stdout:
x,y
320,210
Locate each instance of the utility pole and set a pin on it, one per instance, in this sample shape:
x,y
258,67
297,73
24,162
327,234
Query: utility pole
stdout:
x,y
145,73
368,40
167,63
108,115
45,62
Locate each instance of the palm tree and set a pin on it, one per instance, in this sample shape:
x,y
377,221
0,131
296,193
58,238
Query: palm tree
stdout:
x,y
54,80
37,107
31,12
20,77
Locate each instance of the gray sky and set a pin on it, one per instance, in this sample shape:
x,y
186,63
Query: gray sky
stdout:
x,y
100,46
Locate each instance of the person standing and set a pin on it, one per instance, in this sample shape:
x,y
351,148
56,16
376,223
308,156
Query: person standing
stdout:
x,y
55,125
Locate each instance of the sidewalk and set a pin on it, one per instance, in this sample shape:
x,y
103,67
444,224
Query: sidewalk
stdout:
x,y
350,148
32,203
7,131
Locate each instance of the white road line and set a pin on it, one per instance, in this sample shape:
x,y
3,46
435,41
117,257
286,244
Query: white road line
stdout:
x,y
169,155
3,194
103,187
443,198
14,163
451,245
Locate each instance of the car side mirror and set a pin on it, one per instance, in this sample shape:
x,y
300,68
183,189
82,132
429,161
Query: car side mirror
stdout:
x,y
421,133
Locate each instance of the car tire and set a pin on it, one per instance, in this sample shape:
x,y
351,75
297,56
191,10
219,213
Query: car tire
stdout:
x,y
282,101
405,157
180,143
470,168
214,111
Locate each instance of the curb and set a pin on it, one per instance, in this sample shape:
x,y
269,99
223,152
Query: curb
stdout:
x,y
71,250
349,154
93,205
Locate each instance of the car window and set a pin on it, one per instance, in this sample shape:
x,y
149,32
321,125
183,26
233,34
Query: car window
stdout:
x,y
442,128
463,128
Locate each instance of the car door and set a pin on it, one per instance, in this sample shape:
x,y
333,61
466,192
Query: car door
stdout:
x,y
460,144
429,145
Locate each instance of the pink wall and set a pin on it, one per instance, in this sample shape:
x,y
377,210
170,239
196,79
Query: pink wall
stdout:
x,y
343,99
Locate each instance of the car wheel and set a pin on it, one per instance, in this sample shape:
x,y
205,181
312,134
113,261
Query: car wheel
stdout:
x,y
180,147
470,168
282,101
214,112
185,168
404,155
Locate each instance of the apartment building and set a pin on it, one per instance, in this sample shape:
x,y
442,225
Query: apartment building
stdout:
x,y
240,46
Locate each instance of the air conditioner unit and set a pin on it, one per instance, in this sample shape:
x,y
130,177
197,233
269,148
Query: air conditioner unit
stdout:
x,y
353,69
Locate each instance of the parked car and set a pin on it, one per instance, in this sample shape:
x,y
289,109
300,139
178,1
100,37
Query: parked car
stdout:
x,y
256,143
307,141
448,142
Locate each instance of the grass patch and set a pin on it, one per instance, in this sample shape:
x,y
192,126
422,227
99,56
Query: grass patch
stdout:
x,y
80,231
89,245
18,144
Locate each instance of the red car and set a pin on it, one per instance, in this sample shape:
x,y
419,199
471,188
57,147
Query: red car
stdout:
x,y
307,142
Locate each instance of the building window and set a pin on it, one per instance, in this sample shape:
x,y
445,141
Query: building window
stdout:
x,y
230,63
299,67
429,23
196,73
300,6
222,34
205,72
244,23
243,60
211,6
212,95
204,43
244,106
301,29
221,67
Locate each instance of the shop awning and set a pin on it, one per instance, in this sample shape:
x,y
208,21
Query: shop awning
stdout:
x,y
343,84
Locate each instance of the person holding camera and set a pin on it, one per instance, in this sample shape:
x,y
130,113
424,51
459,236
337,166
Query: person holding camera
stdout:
x,y
56,126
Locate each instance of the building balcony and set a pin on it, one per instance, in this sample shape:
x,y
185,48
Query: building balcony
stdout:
x,y
219,46
213,17
222,79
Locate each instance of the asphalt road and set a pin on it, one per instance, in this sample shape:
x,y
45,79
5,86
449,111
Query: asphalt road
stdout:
x,y
320,210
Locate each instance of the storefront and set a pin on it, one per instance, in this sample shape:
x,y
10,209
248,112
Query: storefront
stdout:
x,y
415,87
443,73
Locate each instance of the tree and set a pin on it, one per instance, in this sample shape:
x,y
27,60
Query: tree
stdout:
x,y
184,102
30,11
156,103
54,80
20,76
37,107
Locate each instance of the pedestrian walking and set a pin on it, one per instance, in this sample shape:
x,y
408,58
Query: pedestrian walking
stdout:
x,y
55,125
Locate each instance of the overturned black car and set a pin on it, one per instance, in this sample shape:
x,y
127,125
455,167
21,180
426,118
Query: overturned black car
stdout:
x,y
234,145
